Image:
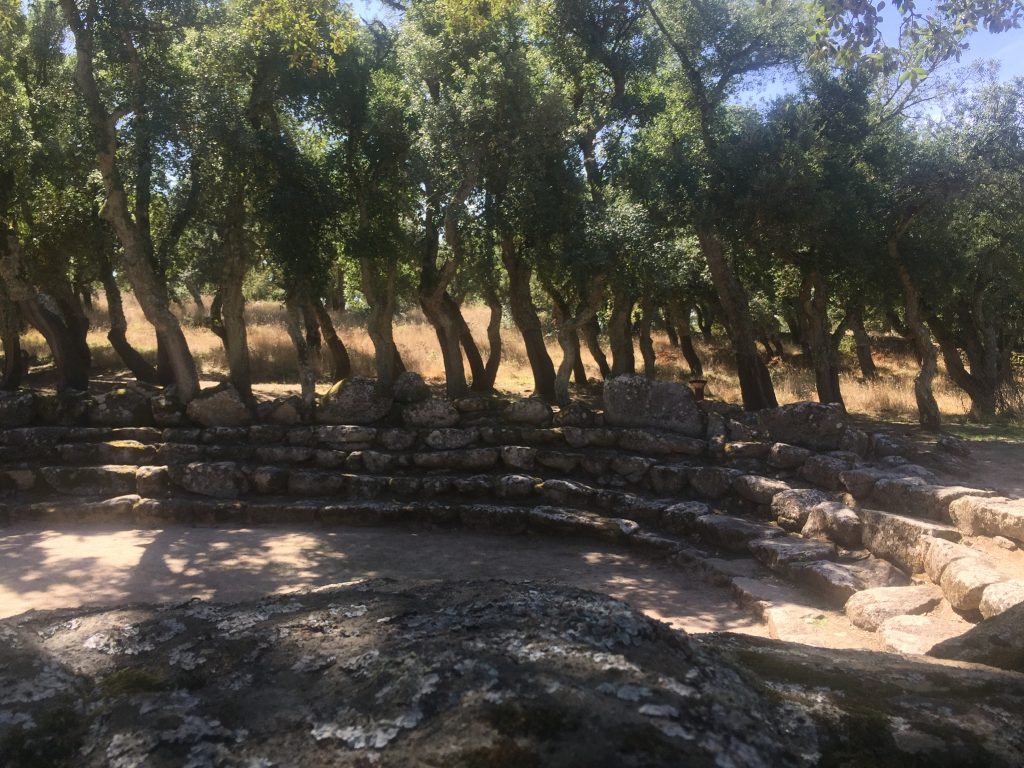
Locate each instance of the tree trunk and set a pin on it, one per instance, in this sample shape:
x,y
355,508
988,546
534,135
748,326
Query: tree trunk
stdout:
x,y
755,381
670,331
341,365
118,333
304,360
591,332
10,339
579,370
380,296
981,389
524,314
231,306
681,315
620,332
136,256
814,302
72,367
862,346
493,339
197,298
569,326
705,322
477,369
927,407
646,343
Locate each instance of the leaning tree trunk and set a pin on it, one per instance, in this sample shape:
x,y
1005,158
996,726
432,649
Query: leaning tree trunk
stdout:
x,y
10,339
135,256
814,302
493,339
477,368
670,331
197,299
118,333
304,359
72,368
579,370
862,345
569,327
927,407
231,307
981,389
646,343
380,321
524,314
341,364
680,313
591,332
620,332
755,381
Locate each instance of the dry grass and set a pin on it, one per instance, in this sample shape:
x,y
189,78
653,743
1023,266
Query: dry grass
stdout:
x,y
890,397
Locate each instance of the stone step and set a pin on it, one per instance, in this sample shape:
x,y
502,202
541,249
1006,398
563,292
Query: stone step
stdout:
x,y
989,516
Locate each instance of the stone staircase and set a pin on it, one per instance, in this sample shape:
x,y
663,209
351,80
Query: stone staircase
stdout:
x,y
799,532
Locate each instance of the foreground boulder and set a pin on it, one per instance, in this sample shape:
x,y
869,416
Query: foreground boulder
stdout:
x,y
636,401
470,674
998,642
821,426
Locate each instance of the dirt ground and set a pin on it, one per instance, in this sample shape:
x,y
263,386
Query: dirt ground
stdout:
x,y
76,566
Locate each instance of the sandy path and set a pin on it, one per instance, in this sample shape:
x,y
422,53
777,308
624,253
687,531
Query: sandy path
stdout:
x,y
74,566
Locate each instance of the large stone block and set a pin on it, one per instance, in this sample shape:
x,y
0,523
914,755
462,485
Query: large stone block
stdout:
x,y
355,400
636,401
869,608
820,426
899,539
995,516
220,406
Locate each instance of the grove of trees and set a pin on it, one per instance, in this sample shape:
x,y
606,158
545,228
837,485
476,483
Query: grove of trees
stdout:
x,y
596,161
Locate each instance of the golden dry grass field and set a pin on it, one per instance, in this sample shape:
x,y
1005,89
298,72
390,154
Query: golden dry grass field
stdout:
x,y
890,397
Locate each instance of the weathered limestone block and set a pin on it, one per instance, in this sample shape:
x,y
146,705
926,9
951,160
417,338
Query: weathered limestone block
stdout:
x,y
429,414
518,456
835,522
529,410
168,411
577,415
667,478
578,437
785,456
109,480
396,439
516,486
837,582
760,490
860,481
918,635
820,426
732,533
109,452
220,479
378,463
566,492
965,579
659,443
898,539
939,553
825,471
869,608
792,508
345,434
355,400
449,438
268,480
636,401
220,406
780,552
1001,597
682,517
747,450
561,461
311,482
152,482
121,407
995,516
632,468
713,482
410,387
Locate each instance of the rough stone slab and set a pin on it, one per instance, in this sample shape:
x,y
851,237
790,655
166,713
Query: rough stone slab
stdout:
x,y
636,401
760,490
836,582
560,461
918,635
519,456
119,509
108,480
965,579
528,410
860,481
791,508
682,517
491,517
939,553
632,468
785,456
812,425
152,481
220,479
834,522
567,521
898,539
869,608
746,450
825,471
668,478
913,496
780,552
310,482
659,443
995,516
220,406
732,533
1001,597
107,452
998,642
428,414
566,492
713,482
449,438
345,434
